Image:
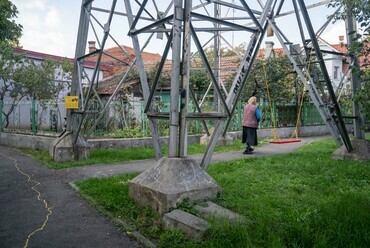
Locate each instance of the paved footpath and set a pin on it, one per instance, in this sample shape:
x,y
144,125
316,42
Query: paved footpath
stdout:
x,y
38,208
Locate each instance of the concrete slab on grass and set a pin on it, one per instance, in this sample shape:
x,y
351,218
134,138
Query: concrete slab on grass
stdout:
x,y
192,225
209,210
360,152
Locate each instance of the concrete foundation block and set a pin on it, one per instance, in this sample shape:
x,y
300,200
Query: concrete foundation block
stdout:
x,y
63,149
205,139
193,226
210,210
361,151
170,181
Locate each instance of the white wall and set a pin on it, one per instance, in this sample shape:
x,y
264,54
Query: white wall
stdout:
x,y
332,61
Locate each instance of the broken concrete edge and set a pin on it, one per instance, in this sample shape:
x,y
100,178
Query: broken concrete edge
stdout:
x,y
222,140
161,203
127,228
360,152
130,231
196,223
210,210
193,226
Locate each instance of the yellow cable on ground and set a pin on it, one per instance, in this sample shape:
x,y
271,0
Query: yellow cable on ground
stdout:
x,y
29,179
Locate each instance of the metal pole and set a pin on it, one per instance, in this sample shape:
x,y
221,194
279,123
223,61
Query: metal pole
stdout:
x,y
298,17
216,57
158,74
33,117
192,93
175,78
183,139
275,114
72,119
355,82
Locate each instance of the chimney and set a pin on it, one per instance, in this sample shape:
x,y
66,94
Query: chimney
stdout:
x,y
270,44
269,49
92,47
341,38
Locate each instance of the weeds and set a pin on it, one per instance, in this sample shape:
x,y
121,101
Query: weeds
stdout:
x,y
301,199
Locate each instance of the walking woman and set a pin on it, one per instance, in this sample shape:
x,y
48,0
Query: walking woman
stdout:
x,y
251,118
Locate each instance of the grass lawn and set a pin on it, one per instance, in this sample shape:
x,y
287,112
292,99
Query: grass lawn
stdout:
x,y
301,199
109,156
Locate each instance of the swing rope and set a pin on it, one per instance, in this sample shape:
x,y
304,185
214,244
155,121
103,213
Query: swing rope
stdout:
x,y
276,137
295,131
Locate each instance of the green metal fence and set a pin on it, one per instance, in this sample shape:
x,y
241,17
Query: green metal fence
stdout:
x,y
127,118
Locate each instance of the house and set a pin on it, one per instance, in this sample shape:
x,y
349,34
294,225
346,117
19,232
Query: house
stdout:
x,y
49,115
336,63
334,55
89,67
120,57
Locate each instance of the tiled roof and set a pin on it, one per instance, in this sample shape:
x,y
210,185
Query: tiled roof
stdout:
x,y
41,56
121,57
342,48
229,65
108,85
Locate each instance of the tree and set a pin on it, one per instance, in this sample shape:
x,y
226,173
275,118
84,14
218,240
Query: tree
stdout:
x,y
360,48
43,81
10,32
199,80
21,78
10,65
278,74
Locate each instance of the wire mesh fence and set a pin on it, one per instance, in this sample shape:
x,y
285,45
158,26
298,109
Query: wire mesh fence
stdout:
x,y
127,118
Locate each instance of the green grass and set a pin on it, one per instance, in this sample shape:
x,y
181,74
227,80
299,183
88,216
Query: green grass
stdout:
x,y
301,199
110,156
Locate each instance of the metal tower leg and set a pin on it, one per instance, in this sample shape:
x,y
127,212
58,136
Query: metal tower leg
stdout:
x,y
144,83
83,28
340,123
314,94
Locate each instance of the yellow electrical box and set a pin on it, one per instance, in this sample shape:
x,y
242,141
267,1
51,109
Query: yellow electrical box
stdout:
x,y
71,102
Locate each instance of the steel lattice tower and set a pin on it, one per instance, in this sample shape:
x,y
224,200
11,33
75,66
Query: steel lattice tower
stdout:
x,y
186,28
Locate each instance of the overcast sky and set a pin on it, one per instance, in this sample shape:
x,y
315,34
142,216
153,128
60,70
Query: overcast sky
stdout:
x,y
50,26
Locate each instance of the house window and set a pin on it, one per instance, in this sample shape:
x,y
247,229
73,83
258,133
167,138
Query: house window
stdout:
x,y
336,70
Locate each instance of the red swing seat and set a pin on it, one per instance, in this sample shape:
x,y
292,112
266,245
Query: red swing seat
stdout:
x,y
284,141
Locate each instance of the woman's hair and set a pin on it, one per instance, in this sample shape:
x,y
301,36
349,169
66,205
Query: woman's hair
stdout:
x,y
252,100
